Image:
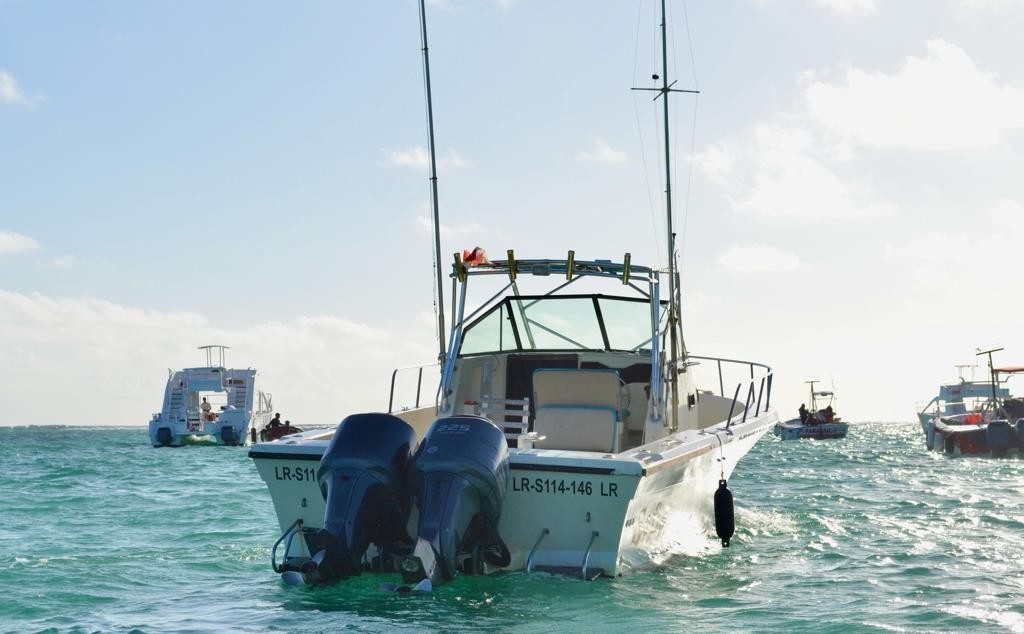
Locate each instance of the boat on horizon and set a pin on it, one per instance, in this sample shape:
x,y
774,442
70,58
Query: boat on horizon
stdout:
x,y
976,418
211,404
819,422
567,433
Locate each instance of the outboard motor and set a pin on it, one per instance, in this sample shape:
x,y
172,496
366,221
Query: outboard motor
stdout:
x,y
362,477
1000,437
457,481
227,434
1020,435
163,436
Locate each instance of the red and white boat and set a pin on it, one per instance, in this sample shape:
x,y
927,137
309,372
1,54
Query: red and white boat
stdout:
x,y
976,418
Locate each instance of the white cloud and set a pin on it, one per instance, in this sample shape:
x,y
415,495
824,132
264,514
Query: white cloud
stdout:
x,y
11,93
417,157
944,251
11,242
758,259
991,5
787,171
602,153
848,7
931,246
1008,215
806,164
63,262
110,360
454,231
842,7
941,101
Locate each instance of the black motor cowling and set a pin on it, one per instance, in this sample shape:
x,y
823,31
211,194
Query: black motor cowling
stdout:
x,y
164,436
457,480
362,475
228,436
999,435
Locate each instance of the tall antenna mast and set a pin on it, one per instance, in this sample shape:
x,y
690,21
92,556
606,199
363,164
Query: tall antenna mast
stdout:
x,y
433,182
673,305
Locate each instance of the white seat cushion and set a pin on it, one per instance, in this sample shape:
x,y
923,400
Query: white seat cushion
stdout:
x,y
591,387
579,428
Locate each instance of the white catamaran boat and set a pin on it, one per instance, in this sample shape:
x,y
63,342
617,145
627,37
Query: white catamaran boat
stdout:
x,y
210,404
567,434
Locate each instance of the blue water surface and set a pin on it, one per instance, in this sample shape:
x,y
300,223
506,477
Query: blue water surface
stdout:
x,y
101,532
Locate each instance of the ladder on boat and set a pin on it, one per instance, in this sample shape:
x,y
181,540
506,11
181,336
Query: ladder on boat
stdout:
x,y
511,415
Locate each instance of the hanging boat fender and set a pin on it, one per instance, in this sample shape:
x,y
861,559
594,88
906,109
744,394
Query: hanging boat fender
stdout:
x,y
725,516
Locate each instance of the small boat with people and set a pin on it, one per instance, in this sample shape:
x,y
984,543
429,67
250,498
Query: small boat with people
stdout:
x,y
211,404
567,433
976,418
819,422
275,429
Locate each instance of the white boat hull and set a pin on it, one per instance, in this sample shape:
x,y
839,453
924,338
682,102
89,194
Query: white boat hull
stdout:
x,y
566,511
795,430
208,432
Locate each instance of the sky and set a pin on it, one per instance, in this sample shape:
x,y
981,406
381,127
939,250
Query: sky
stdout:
x,y
849,200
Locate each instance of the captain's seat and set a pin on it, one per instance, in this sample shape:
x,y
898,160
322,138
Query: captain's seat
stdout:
x,y
578,409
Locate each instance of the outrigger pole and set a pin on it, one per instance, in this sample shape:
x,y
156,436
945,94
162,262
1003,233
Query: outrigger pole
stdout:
x,y
673,305
433,184
991,373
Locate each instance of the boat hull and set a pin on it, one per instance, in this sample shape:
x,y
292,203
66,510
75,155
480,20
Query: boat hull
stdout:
x,y
572,512
229,428
795,430
949,437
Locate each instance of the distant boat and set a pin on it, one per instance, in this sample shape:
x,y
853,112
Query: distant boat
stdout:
x,y
211,404
818,423
978,418
272,432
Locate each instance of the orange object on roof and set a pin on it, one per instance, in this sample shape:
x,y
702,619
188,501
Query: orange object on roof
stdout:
x,y
476,257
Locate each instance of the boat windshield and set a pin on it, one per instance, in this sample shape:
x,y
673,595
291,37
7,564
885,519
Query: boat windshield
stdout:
x,y
560,323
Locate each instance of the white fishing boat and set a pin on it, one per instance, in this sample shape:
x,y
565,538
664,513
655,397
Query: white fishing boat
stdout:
x,y
212,404
978,418
567,433
818,423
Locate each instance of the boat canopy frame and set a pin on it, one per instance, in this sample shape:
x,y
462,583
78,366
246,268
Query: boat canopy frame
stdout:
x,y
573,271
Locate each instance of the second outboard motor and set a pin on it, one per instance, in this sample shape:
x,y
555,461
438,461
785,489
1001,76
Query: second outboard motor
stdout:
x,y
227,434
1000,437
362,476
458,481
163,436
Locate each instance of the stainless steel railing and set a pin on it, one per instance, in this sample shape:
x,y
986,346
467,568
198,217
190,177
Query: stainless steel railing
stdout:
x,y
419,383
758,390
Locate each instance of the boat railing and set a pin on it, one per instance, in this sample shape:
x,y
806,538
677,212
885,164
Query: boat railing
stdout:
x,y
397,373
756,391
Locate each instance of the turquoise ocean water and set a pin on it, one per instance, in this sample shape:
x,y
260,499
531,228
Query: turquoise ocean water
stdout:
x,y
101,532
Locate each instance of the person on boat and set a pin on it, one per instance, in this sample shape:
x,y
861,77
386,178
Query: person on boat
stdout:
x,y
206,407
275,421
803,413
829,414
287,424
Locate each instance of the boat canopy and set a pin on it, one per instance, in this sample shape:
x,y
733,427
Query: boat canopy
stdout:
x,y
558,320
527,323
1012,369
